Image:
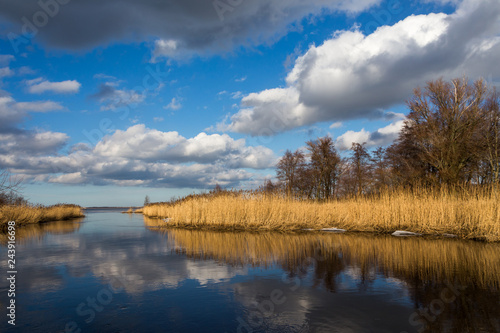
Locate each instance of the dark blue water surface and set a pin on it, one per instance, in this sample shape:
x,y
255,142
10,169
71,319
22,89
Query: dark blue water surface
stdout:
x,y
113,272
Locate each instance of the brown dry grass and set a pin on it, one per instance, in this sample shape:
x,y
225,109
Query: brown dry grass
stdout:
x,y
129,211
470,214
36,214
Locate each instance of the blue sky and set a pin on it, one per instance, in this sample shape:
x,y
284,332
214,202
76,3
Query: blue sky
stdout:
x,y
101,104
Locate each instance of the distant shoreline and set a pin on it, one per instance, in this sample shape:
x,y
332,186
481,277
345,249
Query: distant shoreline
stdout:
x,y
111,208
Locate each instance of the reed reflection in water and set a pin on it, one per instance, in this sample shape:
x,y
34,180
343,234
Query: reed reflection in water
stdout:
x,y
452,285
37,231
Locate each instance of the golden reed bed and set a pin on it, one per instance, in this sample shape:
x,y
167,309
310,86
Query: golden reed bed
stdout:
x,y
408,259
473,214
33,214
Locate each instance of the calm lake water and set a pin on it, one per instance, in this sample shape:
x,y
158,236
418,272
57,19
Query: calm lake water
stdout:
x,y
112,272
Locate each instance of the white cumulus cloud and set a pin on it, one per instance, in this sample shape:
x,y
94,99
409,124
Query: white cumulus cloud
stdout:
x,y
137,156
379,138
174,104
352,76
40,86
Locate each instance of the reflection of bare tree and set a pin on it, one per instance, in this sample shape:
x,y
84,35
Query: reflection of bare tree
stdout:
x,y
326,265
412,260
327,271
428,268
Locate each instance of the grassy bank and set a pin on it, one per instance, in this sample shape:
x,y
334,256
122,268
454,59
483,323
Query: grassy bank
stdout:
x,y
470,214
35,214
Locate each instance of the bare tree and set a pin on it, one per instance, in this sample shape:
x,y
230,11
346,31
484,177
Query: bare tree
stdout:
x,y
490,135
307,181
268,187
444,119
9,189
324,165
451,136
380,169
361,166
405,164
288,169
9,183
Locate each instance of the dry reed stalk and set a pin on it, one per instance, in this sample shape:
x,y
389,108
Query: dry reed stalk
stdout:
x,y
471,215
34,214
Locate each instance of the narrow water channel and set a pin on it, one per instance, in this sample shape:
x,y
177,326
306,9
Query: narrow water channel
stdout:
x,y
113,272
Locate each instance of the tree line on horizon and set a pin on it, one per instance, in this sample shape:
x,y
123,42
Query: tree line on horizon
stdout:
x,y
450,137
